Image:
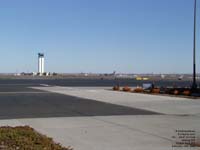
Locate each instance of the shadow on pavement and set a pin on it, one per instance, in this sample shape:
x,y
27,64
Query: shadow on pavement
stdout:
x,y
39,105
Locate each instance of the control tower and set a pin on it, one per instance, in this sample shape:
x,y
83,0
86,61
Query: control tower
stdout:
x,y
40,63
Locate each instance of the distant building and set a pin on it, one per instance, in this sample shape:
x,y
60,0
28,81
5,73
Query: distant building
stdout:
x,y
40,63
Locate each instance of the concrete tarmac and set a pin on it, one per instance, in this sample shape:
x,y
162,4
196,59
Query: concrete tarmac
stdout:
x,y
20,101
95,118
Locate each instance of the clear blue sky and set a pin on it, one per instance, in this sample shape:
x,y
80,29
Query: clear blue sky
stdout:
x,y
130,36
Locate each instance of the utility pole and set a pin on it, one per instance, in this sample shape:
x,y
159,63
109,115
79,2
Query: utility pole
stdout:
x,y
194,84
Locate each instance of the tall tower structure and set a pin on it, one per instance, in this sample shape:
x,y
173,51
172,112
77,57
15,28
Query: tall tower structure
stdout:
x,y
40,63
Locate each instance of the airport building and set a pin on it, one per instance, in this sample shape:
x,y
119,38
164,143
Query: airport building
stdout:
x,y
40,63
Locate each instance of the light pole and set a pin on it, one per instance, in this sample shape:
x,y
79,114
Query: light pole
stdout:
x,y
194,84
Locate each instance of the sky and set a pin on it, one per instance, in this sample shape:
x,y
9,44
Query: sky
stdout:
x,y
98,36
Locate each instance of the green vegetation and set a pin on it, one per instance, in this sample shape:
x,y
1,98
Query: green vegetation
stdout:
x,y
26,138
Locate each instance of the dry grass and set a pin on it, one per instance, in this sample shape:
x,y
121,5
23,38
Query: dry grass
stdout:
x,y
26,138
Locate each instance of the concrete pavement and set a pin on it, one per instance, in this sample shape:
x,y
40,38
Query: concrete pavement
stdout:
x,y
152,132
160,104
113,131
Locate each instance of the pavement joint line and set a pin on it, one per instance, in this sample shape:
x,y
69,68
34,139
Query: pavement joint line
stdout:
x,y
184,115
132,129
